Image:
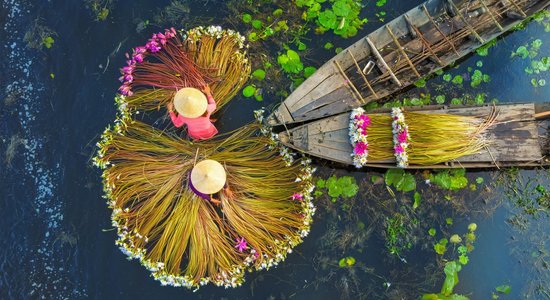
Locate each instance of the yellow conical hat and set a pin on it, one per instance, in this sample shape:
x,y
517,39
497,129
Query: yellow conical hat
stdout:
x,y
190,102
208,176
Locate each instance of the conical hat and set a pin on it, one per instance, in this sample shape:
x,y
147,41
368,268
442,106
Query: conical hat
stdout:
x,y
190,102
208,176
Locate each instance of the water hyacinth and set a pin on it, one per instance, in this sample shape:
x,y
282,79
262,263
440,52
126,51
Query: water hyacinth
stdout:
x,y
185,240
172,60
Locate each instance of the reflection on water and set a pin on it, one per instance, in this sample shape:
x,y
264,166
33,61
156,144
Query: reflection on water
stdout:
x,y
57,241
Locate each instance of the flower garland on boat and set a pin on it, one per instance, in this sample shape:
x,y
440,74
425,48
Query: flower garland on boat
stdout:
x,y
401,137
163,224
171,60
359,122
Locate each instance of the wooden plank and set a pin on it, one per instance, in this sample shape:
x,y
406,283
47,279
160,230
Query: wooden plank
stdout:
x,y
349,83
362,74
322,151
382,61
311,84
470,27
339,135
491,15
518,8
280,115
345,104
340,94
396,42
434,24
328,85
329,124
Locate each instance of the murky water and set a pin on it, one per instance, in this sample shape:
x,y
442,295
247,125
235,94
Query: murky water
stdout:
x,y
57,240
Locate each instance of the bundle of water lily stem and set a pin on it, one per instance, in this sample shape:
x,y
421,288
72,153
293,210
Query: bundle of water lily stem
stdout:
x,y
185,239
201,56
416,138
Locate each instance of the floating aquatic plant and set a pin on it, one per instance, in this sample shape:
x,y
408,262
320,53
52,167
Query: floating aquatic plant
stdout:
x,y
335,187
185,240
452,267
401,180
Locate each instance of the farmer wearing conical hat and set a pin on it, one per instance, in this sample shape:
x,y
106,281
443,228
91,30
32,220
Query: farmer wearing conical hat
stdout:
x,y
194,108
207,178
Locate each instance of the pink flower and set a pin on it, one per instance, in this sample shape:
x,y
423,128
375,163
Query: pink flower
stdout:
x,y
170,33
125,89
161,38
366,120
297,196
398,149
241,244
402,136
138,58
128,69
360,148
140,50
153,46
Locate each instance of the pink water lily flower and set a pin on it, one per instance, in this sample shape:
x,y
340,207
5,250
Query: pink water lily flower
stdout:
x,y
402,136
138,58
360,148
241,244
399,149
297,196
125,90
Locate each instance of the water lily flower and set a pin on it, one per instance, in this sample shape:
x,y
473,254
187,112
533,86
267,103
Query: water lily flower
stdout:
x,y
402,136
138,58
360,148
241,244
297,196
398,149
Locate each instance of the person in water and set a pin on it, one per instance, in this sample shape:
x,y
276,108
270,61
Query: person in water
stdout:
x,y
194,108
207,178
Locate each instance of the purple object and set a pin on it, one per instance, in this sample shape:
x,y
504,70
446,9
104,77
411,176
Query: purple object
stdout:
x,y
203,196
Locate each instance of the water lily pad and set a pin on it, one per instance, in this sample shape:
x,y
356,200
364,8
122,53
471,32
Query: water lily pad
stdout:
x,y
258,74
247,18
308,71
505,289
249,91
341,8
328,19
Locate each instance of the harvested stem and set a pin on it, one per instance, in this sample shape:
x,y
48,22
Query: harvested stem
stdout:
x,y
206,56
186,240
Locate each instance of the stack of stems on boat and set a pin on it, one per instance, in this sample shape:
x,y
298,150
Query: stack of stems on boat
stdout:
x,y
434,138
205,56
162,222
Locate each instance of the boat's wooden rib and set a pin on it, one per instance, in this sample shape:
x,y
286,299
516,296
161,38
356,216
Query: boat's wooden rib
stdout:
x,y
421,41
515,140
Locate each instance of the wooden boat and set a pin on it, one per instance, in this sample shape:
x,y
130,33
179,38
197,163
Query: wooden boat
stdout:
x,y
515,139
416,44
